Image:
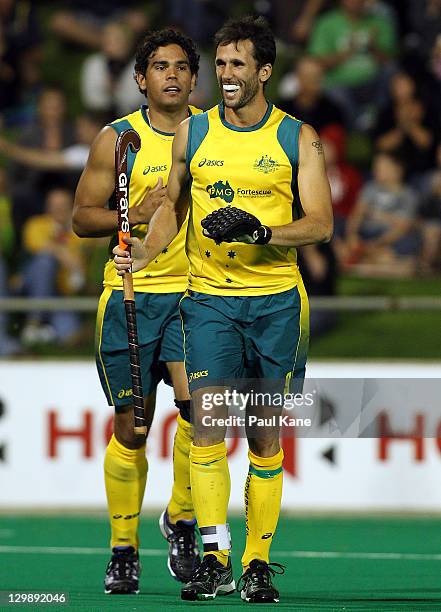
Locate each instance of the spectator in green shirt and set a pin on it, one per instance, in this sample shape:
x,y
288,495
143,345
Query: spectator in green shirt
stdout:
x,y
355,46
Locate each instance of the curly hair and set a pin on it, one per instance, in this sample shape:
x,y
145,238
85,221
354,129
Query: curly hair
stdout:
x,y
163,38
255,29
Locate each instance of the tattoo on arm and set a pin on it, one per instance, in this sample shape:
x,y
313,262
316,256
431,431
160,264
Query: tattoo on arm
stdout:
x,y
318,145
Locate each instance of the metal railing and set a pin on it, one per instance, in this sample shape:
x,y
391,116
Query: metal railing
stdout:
x,y
335,303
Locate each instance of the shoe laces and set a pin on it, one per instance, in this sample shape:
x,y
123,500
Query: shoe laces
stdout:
x,y
122,564
260,572
183,537
205,570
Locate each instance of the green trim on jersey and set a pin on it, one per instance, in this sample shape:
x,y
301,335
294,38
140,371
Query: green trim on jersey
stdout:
x,y
197,130
119,127
251,128
288,134
145,116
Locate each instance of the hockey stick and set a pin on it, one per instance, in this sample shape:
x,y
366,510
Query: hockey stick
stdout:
x,y
129,139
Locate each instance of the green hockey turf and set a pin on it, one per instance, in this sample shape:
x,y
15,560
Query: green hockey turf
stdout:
x,y
332,564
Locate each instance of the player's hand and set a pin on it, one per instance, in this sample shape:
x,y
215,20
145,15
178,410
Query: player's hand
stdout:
x,y
153,200
130,262
231,224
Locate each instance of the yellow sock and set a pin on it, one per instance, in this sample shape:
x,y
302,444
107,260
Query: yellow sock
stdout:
x,y
263,495
125,475
210,487
180,506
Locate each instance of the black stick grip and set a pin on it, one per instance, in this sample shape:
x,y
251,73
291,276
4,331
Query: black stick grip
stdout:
x,y
135,365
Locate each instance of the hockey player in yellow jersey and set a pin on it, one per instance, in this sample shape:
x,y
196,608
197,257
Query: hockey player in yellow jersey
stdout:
x,y
165,70
258,190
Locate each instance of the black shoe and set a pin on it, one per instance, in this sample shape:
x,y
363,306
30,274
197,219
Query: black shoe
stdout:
x,y
210,579
122,572
184,555
256,586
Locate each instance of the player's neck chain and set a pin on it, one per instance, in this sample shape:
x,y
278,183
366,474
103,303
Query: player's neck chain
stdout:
x,y
161,133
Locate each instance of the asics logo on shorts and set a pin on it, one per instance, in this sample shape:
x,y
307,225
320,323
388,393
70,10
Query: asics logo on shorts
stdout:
x,y
195,375
125,393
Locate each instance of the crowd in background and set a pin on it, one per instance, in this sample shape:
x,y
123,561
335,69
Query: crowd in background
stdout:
x,y
365,73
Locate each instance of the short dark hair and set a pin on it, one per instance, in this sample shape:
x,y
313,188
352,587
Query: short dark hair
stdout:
x,y
255,29
163,38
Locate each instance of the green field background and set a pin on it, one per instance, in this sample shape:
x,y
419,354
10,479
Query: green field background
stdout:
x,y
332,563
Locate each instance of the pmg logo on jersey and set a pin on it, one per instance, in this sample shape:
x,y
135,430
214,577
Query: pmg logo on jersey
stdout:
x,y
221,190
266,164
210,162
152,169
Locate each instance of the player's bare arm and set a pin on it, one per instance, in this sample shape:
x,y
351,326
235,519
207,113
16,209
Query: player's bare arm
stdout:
x,y
91,218
168,219
315,195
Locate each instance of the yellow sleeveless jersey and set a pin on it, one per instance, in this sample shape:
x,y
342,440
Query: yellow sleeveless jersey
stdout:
x,y
168,273
255,169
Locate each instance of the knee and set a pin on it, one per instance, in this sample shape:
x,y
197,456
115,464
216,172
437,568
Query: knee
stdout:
x,y
124,432
129,439
204,441
264,447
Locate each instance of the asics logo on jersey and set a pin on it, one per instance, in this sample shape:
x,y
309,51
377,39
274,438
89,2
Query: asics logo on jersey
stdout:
x,y
210,162
221,190
148,169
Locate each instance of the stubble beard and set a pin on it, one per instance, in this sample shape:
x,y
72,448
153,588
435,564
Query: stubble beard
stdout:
x,y
249,92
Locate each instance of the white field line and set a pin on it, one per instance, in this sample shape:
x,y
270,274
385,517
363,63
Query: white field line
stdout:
x,y
298,554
